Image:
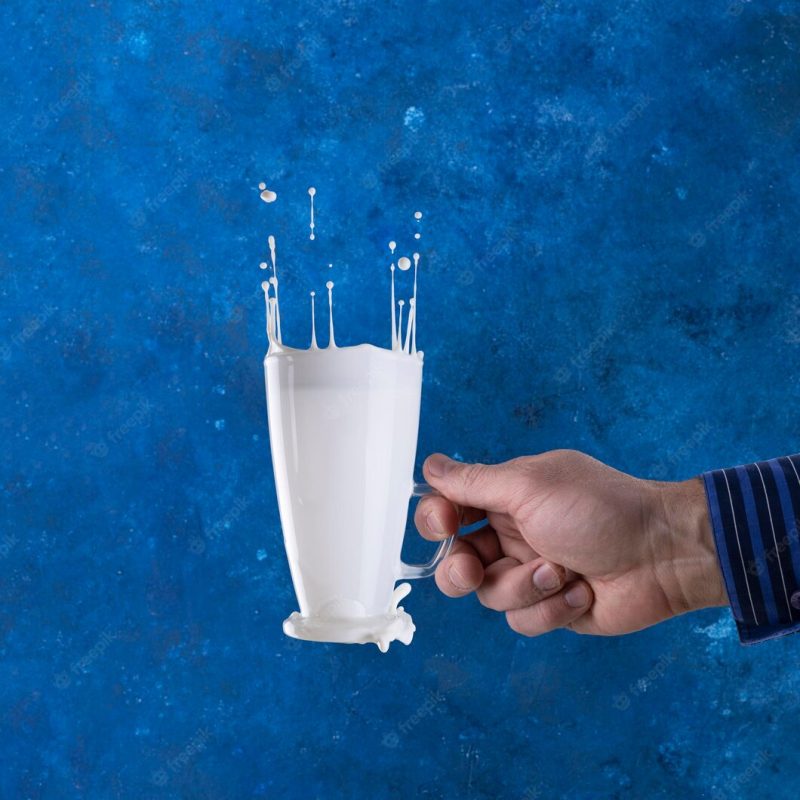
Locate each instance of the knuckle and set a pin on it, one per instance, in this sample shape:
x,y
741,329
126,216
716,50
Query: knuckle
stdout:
x,y
551,466
522,463
557,463
540,474
566,454
473,475
567,463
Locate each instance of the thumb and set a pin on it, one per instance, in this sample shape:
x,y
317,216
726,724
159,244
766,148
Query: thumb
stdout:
x,y
490,487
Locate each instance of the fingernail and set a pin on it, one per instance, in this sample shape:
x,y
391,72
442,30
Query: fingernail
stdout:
x,y
438,465
434,524
457,579
545,578
577,596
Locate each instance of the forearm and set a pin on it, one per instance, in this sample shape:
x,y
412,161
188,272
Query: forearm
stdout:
x,y
687,564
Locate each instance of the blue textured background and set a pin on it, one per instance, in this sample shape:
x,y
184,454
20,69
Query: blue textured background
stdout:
x,y
610,263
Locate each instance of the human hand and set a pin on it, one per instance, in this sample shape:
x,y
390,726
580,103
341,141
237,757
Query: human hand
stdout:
x,y
570,542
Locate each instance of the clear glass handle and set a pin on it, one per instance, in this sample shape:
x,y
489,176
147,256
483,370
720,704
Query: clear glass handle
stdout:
x,y
410,571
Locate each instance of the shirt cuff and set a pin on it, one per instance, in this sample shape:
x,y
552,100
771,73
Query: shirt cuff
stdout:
x,y
755,513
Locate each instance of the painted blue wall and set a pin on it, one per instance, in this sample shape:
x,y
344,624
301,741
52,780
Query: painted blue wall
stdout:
x,y
610,263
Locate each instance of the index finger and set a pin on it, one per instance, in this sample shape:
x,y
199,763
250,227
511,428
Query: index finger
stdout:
x,y
494,487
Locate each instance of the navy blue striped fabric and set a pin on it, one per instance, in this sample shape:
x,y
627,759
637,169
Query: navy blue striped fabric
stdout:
x,y
755,514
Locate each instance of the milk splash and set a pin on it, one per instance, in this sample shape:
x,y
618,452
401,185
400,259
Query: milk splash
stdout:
x,y
334,615
396,624
401,343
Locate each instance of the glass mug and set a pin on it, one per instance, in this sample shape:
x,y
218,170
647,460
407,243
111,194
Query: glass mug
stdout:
x,y
343,425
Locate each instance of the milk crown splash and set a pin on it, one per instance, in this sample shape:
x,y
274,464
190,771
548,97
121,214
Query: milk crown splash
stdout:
x,y
401,343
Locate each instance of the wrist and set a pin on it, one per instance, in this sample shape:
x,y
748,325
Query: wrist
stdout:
x,y
688,567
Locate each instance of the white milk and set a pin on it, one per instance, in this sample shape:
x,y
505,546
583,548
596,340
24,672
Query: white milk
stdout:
x,y
343,431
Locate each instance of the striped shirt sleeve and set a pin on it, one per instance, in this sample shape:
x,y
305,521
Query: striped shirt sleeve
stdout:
x,y
755,513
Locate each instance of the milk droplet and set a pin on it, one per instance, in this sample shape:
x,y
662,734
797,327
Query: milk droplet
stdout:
x,y
273,282
417,215
403,263
311,192
329,287
392,246
409,325
413,303
394,324
271,240
313,324
267,195
270,305
400,303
